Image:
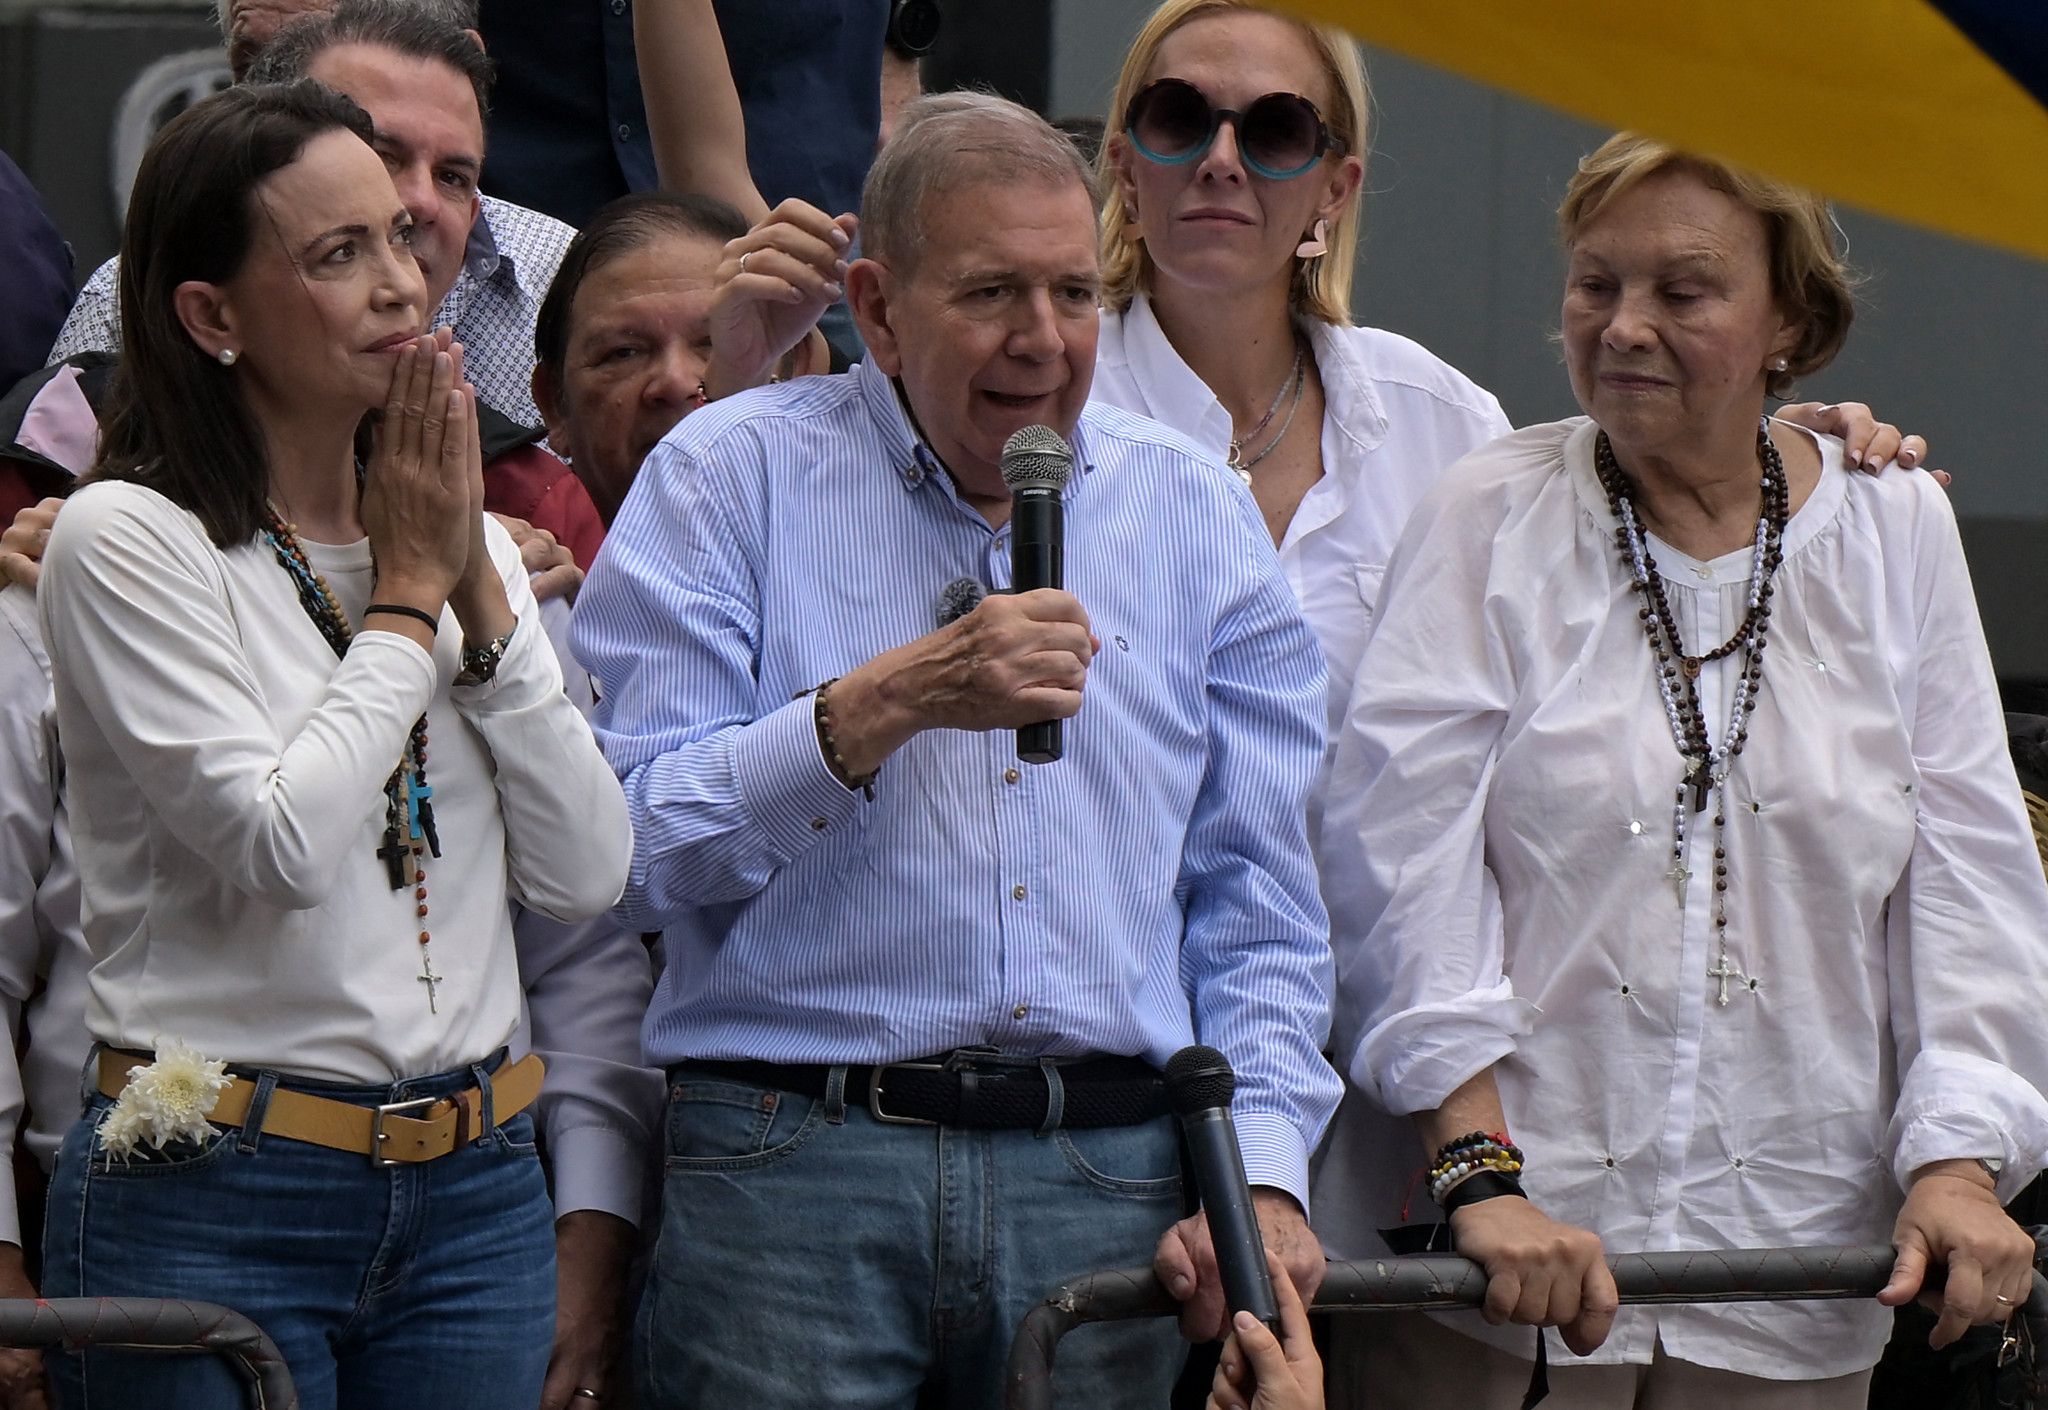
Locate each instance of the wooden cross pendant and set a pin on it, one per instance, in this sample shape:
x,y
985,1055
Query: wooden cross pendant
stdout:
x,y
395,855
433,980
1701,778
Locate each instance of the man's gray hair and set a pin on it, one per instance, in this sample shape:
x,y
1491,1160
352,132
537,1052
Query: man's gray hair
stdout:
x,y
460,13
948,140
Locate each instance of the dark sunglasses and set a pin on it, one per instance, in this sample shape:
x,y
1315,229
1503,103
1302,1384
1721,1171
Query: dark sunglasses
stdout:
x,y
1279,135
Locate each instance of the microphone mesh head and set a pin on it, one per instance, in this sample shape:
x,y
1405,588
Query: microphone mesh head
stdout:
x,y
1199,1078
1037,458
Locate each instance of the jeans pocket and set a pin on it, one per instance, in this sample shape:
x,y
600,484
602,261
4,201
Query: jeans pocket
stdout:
x,y
178,1157
730,1126
1141,1162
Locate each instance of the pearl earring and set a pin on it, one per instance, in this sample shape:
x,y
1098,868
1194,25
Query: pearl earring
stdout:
x,y
227,357
1781,364
1315,244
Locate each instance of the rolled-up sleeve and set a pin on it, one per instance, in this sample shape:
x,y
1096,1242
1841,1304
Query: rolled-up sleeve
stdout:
x,y
1968,927
1422,1001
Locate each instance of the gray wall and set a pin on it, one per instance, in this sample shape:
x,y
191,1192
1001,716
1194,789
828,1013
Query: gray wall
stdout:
x,y
1458,254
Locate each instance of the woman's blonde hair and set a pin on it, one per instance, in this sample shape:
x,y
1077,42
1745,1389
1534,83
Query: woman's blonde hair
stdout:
x,y
1812,284
1321,287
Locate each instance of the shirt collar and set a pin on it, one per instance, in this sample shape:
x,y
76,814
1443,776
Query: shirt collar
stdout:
x,y
480,257
1172,391
1351,403
912,459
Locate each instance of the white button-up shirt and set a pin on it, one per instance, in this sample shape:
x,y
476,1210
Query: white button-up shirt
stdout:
x,y
1395,417
1887,914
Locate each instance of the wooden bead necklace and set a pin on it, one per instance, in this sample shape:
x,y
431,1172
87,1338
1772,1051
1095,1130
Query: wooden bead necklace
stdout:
x,y
1707,764
409,833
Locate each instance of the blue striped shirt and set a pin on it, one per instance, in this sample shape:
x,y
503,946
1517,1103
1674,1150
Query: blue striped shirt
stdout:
x,y
1153,888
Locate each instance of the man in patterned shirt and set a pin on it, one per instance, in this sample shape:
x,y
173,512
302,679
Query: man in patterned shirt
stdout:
x,y
426,85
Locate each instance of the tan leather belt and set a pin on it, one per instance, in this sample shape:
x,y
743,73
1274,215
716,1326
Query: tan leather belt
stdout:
x,y
396,1133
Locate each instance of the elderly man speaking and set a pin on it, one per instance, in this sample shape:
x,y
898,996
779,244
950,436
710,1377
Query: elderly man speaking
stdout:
x,y
917,991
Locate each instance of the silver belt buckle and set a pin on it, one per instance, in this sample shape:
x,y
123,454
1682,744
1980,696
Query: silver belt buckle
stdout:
x,y
875,1092
377,1133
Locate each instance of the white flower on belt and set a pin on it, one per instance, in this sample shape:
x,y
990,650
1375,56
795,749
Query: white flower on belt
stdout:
x,y
164,1101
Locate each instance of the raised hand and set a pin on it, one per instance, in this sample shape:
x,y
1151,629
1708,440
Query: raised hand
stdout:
x,y
417,505
772,285
22,545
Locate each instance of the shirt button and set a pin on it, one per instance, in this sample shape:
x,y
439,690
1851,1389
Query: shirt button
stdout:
x,y
819,824
1011,776
625,132
1020,1010
618,7
1016,893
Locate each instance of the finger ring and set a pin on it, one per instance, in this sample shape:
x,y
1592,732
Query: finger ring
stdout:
x,y
743,262
585,1392
2001,1300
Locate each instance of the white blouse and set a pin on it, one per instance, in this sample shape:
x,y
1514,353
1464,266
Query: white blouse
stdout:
x,y
1395,417
1886,910
226,783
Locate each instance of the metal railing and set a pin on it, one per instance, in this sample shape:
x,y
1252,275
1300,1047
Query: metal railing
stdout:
x,y
1439,1281
153,1324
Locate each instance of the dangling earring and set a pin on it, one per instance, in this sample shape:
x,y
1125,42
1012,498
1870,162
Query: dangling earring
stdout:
x,y
227,357
1314,245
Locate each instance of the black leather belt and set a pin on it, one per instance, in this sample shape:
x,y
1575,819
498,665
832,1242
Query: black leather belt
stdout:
x,y
967,1089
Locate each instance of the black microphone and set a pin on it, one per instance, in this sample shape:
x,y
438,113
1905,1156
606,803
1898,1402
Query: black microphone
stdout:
x,y
1037,463
1199,1083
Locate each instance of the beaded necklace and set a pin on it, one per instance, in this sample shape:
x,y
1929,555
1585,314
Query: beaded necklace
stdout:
x,y
409,833
1707,764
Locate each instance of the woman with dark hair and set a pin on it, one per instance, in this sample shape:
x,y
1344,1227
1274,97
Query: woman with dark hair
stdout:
x,y
300,1106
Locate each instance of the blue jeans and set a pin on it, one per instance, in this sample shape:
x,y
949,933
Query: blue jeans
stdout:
x,y
811,1256
427,1285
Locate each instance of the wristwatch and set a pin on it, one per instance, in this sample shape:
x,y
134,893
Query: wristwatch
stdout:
x,y
1992,1165
480,663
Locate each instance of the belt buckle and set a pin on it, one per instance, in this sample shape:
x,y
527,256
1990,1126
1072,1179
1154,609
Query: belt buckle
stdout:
x,y
377,1134
875,1091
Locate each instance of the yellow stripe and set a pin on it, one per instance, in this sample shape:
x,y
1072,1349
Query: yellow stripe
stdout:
x,y
1880,103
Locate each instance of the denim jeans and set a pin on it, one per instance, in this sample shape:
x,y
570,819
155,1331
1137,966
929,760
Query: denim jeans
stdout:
x,y
428,1285
812,1256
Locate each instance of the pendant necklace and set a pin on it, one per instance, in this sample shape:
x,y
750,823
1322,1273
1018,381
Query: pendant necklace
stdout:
x,y
409,834
1297,383
1707,765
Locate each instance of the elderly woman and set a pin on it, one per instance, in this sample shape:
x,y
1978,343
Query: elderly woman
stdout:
x,y
1680,885
303,975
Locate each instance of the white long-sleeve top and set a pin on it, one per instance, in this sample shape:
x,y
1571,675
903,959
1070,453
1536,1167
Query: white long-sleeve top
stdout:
x,y
586,984
226,794
1395,416
1886,906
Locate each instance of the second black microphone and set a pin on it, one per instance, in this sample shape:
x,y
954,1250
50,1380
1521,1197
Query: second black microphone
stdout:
x,y
1037,463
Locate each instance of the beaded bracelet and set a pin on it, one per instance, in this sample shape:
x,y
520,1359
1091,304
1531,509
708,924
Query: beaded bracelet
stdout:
x,y
829,746
1476,1151
1443,1182
1479,1185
